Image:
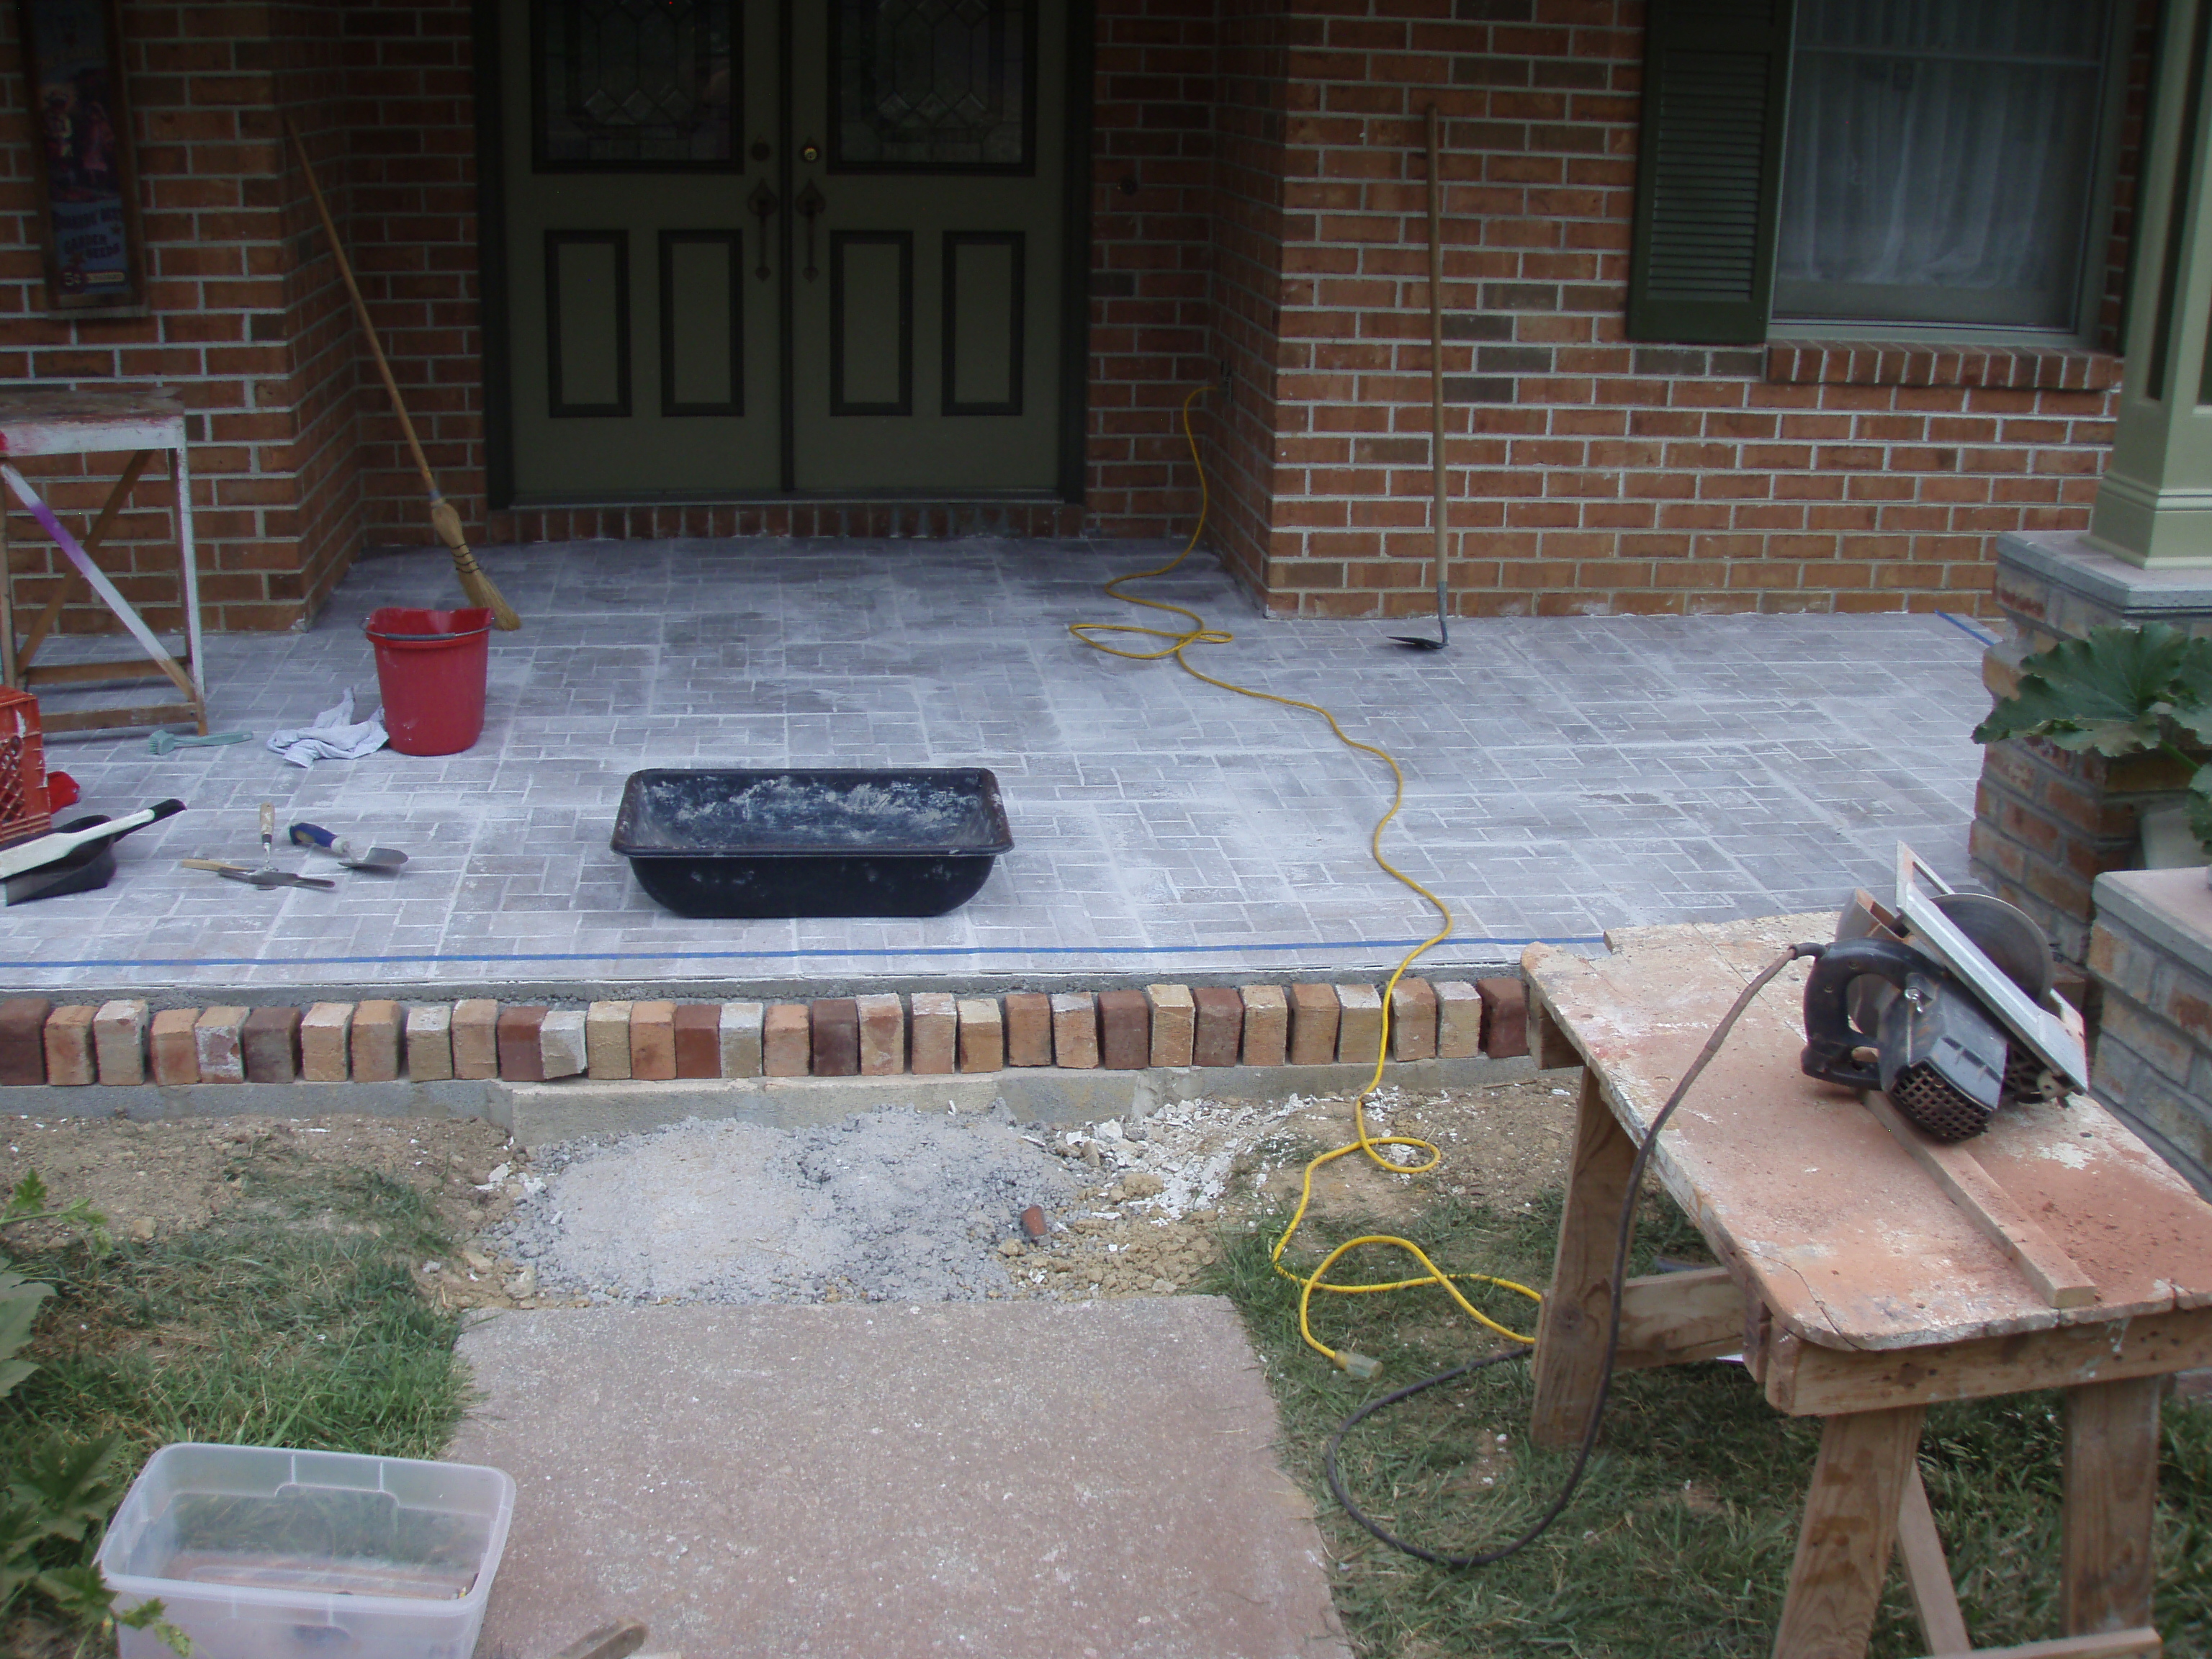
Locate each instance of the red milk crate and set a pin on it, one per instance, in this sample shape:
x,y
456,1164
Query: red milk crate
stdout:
x,y
23,809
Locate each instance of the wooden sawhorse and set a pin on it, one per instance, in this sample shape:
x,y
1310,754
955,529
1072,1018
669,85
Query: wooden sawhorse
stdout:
x,y
143,425
1859,1289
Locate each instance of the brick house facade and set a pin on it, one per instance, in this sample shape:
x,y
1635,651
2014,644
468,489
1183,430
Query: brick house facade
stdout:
x,y
1255,220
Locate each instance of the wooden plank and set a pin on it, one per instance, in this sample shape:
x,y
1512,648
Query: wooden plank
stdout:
x,y
1848,1532
1666,1319
2114,1644
1955,1168
1927,1574
2109,1562
103,719
1808,1381
1571,1326
1547,1044
92,673
1834,1228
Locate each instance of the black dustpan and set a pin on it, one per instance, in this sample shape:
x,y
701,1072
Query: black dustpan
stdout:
x,y
83,869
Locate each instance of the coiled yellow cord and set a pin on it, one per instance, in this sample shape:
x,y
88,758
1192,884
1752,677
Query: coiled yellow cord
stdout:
x,y
1174,642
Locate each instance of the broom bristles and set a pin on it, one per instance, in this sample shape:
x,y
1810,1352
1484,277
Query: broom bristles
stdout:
x,y
479,587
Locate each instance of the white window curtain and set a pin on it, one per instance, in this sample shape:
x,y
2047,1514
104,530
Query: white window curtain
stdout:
x,y
1939,160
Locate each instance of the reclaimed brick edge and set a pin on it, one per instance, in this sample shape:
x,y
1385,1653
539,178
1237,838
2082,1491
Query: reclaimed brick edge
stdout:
x,y
926,1033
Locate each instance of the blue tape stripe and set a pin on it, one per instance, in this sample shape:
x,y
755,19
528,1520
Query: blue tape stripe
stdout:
x,y
773,956
1968,628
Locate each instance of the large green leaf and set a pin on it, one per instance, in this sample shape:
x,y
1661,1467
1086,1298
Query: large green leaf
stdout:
x,y
70,1481
19,1310
2110,691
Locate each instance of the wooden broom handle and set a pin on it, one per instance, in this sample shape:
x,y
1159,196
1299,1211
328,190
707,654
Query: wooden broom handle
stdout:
x,y
361,310
1438,472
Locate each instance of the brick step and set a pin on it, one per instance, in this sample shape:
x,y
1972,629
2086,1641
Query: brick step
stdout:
x,y
125,1043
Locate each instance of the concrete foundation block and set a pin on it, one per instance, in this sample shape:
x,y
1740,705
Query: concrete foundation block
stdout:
x,y
430,1043
119,1040
24,1040
563,1047
1459,1019
219,1038
982,1035
652,1040
836,1021
174,1050
1174,1024
1504,1017
1412,1020
1313,1024
476,1039
933,1033
787,1042
883,1034
1029,1028
1358,1024
325,1043
377,1025
606,1040
740,1035
518,1035
272,1045
698,1039
1075,1030
67,1035
1218,1032
1267,1025
1125,1030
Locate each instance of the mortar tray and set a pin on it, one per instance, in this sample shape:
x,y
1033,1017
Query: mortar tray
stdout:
x,y
812,843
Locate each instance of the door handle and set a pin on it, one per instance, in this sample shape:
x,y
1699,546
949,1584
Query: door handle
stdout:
x,y
810,201
764,202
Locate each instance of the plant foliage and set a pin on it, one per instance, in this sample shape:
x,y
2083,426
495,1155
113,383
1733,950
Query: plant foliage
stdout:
x,y
2119,691
57,1494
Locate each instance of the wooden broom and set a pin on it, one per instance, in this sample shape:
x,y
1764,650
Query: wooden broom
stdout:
x,y
443,519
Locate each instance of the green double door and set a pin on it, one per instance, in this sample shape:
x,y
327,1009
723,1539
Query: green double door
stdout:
x,y
783,245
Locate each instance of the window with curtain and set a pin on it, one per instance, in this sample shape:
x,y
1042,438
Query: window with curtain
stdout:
x,y
1940,161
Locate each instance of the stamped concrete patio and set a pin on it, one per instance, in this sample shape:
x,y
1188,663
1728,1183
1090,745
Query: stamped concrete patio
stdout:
x,y
1563,775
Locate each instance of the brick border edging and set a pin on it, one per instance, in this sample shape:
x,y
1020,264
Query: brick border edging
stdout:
x,y
124,1042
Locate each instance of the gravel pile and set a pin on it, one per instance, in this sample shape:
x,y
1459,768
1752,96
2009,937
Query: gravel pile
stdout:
x,y
891,1206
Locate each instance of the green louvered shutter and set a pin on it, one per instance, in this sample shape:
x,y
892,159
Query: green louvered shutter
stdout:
x,y
1709,170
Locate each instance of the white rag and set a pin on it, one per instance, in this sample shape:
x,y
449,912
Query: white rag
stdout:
x,y
334,736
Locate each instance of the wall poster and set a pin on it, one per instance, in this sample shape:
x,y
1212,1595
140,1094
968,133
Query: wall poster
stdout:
x,y
88,219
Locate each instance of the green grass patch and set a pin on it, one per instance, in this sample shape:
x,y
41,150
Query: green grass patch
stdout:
x,y
1679,1541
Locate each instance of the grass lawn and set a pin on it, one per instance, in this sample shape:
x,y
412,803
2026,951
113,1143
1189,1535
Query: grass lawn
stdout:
x,y
291,1319
1679,1541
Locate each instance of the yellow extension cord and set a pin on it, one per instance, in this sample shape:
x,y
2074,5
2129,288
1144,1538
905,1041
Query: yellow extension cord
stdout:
x,y
1175,644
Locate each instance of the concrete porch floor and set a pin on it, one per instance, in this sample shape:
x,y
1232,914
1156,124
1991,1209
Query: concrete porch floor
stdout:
x,y
1563,775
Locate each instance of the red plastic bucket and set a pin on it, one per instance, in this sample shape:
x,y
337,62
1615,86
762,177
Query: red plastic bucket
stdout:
x,y
430,669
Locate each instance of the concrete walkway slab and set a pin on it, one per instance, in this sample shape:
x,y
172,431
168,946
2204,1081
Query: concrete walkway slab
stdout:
x,y
1085,1482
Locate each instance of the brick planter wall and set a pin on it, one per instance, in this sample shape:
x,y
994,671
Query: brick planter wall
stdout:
x,y
2152,956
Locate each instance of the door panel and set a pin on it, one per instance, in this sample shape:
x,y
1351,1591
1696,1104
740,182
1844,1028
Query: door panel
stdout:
x,y
919,119
703,322
627,170
669,214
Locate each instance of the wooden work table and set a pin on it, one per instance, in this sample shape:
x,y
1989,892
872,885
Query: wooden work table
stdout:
x,y
1867,1273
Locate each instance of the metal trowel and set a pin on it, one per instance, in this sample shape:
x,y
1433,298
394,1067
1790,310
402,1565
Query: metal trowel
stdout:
x,y
385,860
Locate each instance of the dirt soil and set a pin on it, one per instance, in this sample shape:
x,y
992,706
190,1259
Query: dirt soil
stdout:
x,y
1151,1197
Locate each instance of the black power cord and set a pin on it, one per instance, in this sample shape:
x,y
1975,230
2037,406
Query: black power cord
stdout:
x,y
1543,1522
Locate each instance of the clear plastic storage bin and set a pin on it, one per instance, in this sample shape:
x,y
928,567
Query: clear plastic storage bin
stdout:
x,y
257,1553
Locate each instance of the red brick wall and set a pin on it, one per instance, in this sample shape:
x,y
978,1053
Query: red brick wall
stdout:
x,y
1590,474
1258,201
222,329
